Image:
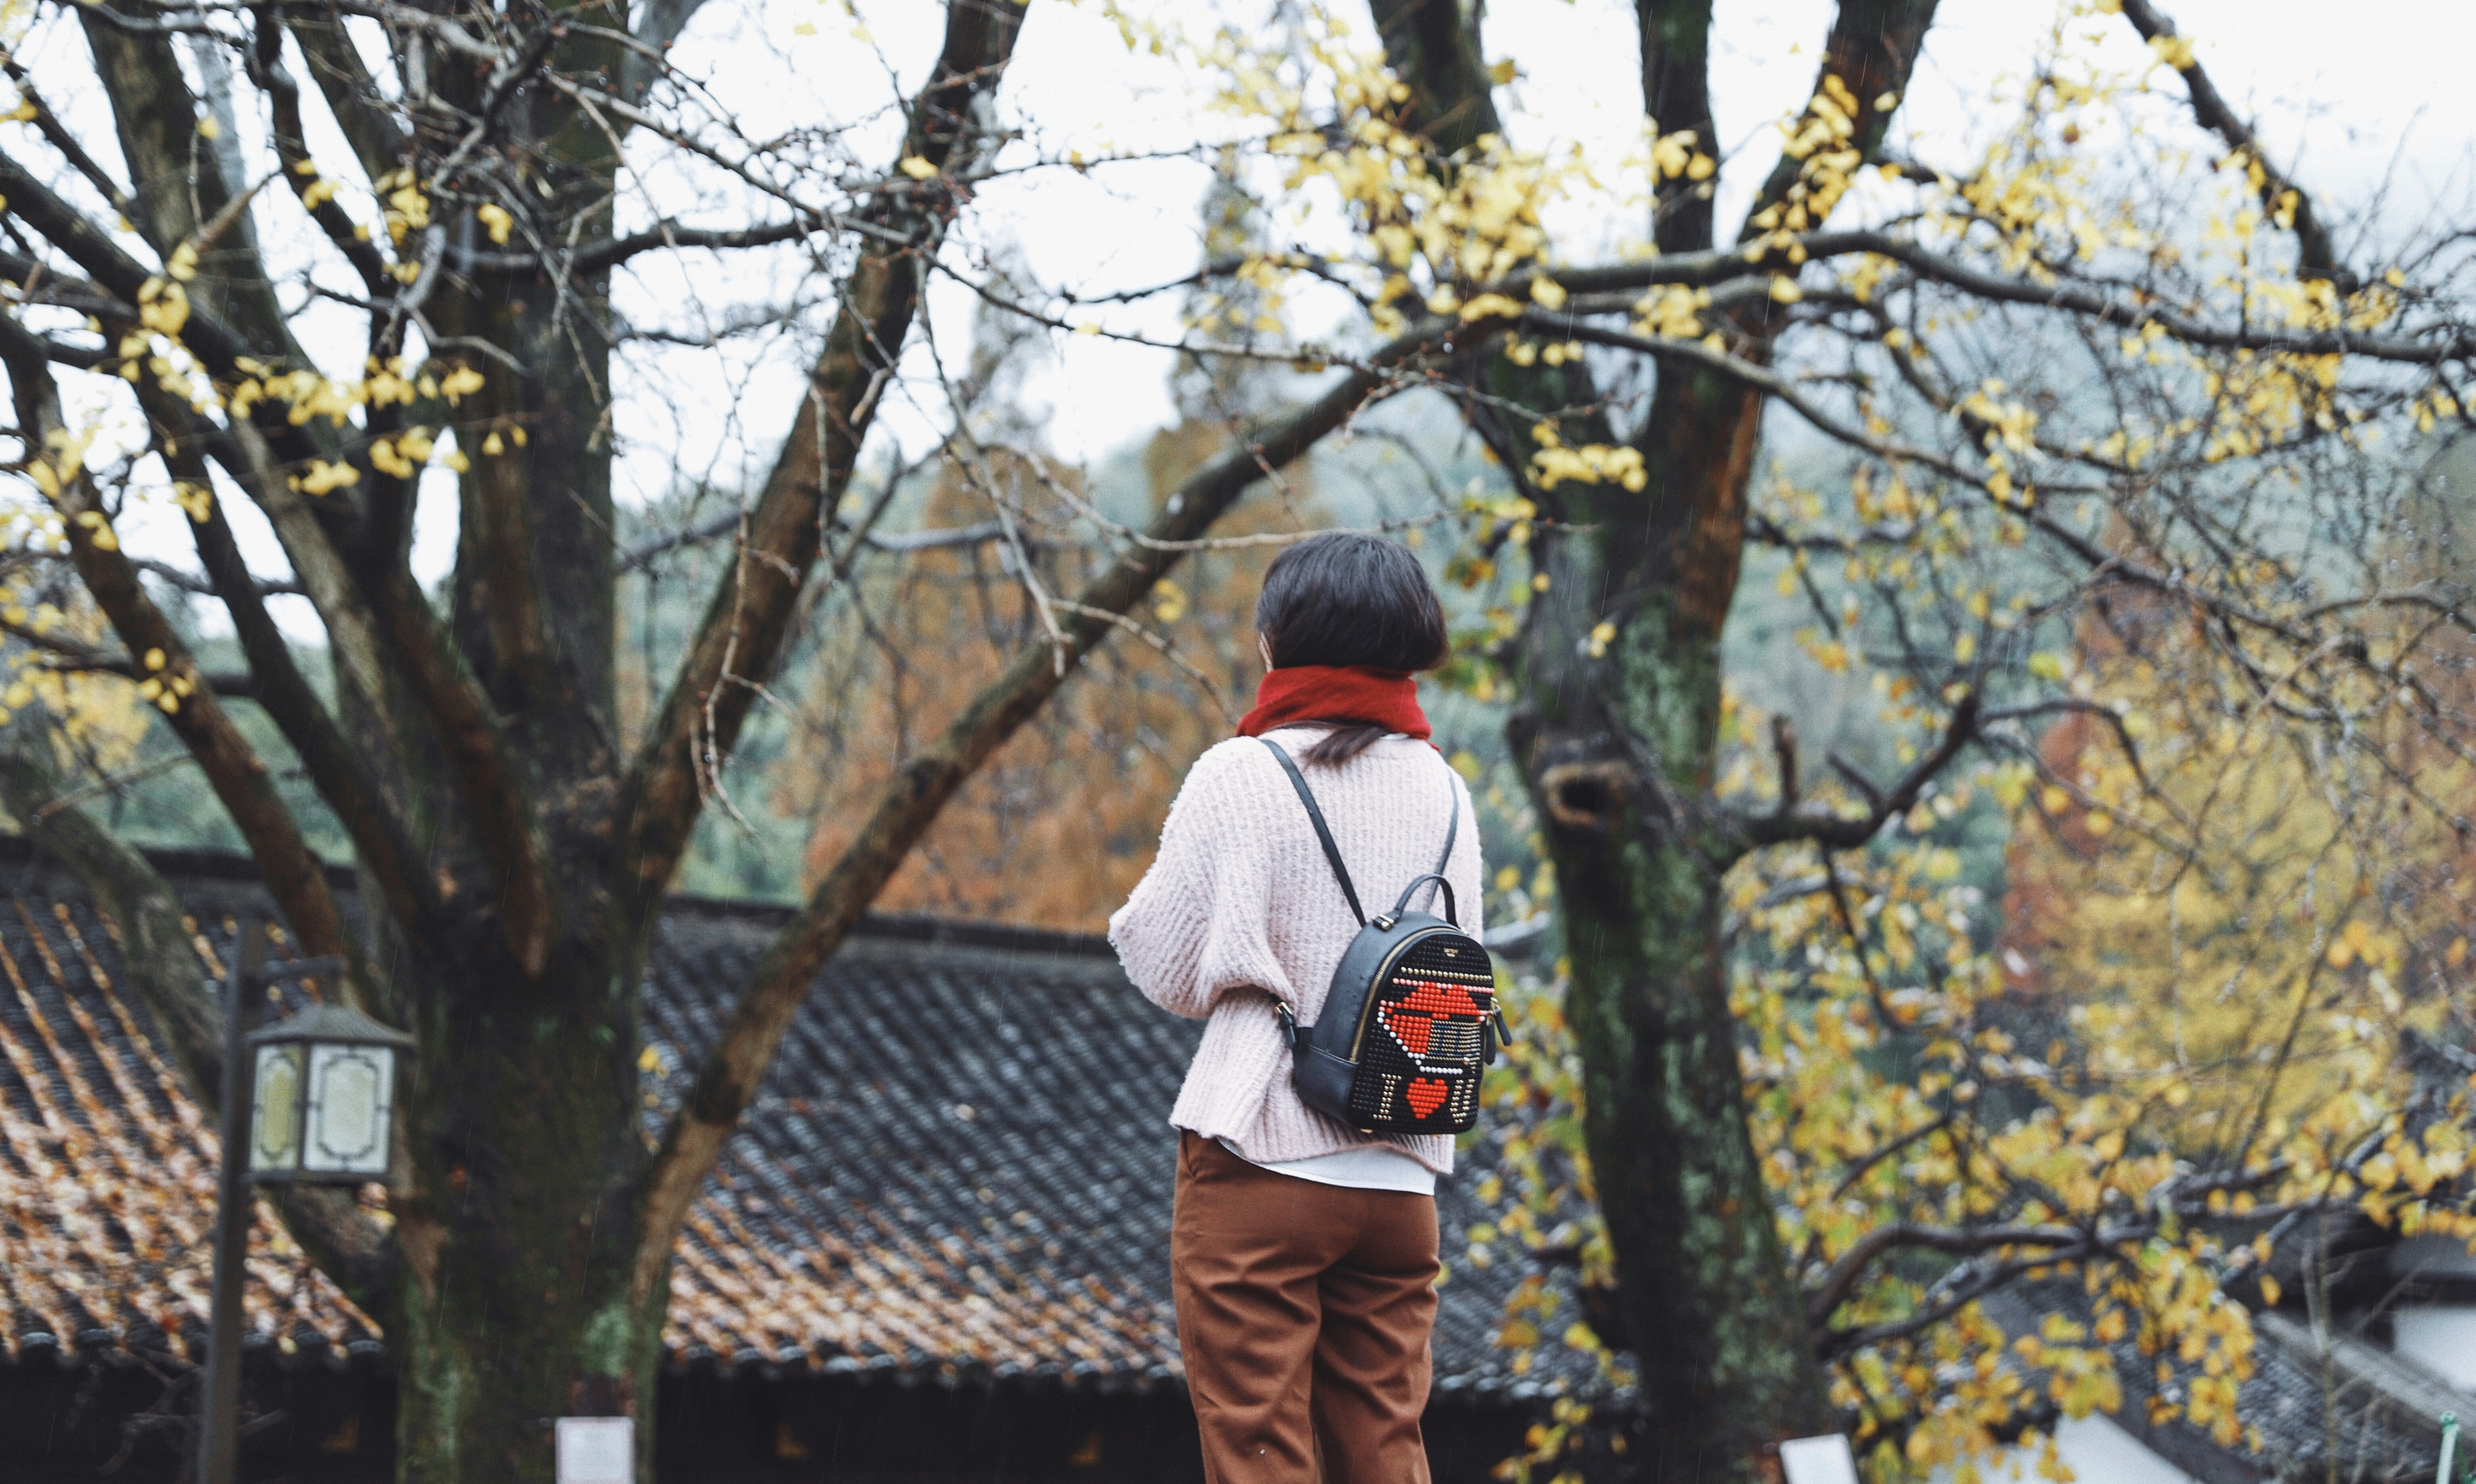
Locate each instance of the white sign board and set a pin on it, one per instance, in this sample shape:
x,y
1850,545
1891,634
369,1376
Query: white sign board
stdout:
x,y
1824,1460
597,1451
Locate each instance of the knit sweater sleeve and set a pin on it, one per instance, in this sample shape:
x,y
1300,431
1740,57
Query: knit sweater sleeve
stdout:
x,y
1196,927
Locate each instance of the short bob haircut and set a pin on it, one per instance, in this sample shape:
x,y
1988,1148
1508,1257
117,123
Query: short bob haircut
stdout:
x,y
1348,598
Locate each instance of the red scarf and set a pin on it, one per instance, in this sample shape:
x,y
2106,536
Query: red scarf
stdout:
x,y
1336,693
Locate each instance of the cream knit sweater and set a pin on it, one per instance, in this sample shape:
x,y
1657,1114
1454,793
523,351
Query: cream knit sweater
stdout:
x,y
1240,902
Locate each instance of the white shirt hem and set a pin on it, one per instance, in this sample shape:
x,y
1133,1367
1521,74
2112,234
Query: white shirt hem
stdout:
x,y
1366,1168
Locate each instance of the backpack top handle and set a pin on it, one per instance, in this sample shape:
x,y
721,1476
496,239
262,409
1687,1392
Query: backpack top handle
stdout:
x,y
1452,915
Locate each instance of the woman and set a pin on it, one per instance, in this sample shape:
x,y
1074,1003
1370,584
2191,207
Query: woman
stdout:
x,y
1303,1253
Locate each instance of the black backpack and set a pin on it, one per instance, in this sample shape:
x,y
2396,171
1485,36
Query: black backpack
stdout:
x,y
1411,1018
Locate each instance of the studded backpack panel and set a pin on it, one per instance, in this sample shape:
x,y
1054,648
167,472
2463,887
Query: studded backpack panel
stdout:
x,y
1411,1021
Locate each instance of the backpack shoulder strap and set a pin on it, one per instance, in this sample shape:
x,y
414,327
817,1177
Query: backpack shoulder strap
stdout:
x,y
1324,833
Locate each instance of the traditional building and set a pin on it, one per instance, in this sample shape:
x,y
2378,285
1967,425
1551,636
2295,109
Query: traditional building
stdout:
x,y
937,1250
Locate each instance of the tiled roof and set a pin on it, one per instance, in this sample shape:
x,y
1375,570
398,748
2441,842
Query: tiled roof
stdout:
x,y
958,1165
2345,1407
108,1171
2310,1411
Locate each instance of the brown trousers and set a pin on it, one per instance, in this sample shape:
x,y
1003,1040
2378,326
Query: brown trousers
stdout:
x,y
1302,1313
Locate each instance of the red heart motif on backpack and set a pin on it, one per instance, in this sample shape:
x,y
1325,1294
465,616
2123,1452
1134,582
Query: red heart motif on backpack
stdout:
x,y
1413,1017
1411,1031
1425,1096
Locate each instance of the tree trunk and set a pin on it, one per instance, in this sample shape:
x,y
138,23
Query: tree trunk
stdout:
x,y
1618,669
1621,752
1619,748
528,1156
474,754
523,1219
519,1309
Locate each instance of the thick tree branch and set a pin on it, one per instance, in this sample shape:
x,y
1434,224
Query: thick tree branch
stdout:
x,y
1973,1280
299,171
2286,202
2124,310
669,237
341,773
489,778
352,94
204,586
1676,95
208,333
745,627
1835,832
57,136
77,358
1436,50
67,658
301,527
59,652
1871,50
2127,310
295,877
594,256
1843,1274
728,1079
40,210
189,582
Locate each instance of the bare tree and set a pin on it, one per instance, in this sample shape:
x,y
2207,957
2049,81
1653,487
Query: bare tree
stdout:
x,y
514,847
2099,478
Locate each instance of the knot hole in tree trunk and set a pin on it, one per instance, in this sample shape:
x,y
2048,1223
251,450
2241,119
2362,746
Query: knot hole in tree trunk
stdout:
x,y
1586,796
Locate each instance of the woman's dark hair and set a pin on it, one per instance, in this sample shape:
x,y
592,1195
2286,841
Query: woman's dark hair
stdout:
x,y
1347,598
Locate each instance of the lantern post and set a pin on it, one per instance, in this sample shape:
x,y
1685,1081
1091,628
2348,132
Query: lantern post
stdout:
x,y
310,1100
220,1408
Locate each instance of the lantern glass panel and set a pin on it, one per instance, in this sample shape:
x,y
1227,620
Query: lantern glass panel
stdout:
x,y
275,1118
352,1095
